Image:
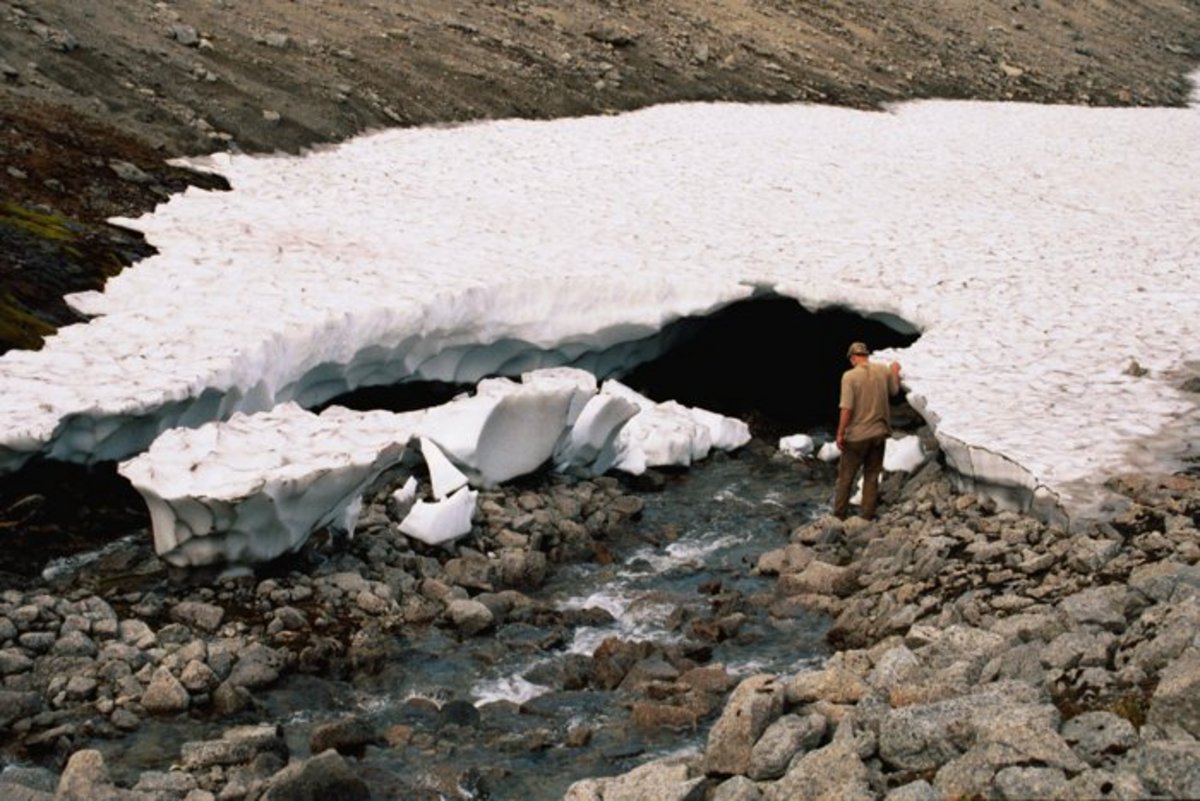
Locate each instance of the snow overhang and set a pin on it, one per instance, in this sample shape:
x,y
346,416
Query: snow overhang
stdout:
x,y
1040,250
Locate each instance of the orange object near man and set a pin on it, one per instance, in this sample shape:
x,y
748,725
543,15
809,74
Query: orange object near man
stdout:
x,y
864,423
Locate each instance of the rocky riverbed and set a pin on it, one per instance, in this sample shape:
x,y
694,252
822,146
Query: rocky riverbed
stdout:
x,y
982,654
972,653
122,679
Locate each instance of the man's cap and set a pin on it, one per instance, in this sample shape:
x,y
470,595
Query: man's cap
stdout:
x,y
858,349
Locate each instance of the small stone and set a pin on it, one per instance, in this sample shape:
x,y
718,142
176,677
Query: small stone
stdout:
x,y
469,616
165,695
206,617
129,172
198,677
74,643
186,35
85,778
13,660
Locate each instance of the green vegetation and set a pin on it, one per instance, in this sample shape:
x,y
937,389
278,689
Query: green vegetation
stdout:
x,y
44,256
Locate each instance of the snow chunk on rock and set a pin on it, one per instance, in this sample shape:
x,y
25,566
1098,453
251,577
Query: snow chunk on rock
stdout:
x,y
255,487
434,523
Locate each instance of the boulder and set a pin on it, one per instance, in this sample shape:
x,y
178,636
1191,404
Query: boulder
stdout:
x,y
819,578
165,695
469,616
15,704
833,684
737,788
663,780
833,773
926,736
348,736
323,777
753,705
257,666
1166,768
1176,700
199,615
1099,737
237,746
783,739
1016,783
1104,606
85,779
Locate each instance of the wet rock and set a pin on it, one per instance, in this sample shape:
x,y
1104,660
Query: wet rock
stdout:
x,y
203,616
228,700
174,783
648,671
13,660
85,779
782,740
323,777
348,736
458,713
751,708
237,746
197,677
521,568
473,572
614,658
654,716
165,695
257,666
74,643
125,720
136,633
469,616
15,704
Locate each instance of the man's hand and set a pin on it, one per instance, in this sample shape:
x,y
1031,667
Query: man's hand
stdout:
x,y
895,369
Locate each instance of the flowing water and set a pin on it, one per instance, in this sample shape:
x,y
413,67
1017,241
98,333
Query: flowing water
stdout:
x,y
496,716
700,535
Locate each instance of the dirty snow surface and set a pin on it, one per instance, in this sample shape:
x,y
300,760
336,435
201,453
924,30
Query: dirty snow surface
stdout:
x,y
1038,249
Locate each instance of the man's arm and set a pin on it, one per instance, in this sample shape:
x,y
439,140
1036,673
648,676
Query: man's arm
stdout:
x,y
894,378
843,421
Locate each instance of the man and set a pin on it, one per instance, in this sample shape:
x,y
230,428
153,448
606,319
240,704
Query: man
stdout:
x,y
864,423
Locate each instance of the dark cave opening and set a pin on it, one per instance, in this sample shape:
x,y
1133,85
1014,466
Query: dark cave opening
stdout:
x,y
767,360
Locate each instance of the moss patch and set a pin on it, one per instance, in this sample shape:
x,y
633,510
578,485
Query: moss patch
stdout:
x,y
44,256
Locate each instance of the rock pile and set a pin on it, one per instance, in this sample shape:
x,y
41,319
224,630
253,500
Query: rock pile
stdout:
x,y
80,664
983,655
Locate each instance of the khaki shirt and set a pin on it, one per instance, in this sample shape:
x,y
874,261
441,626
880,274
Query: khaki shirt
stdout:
x,y
865,392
